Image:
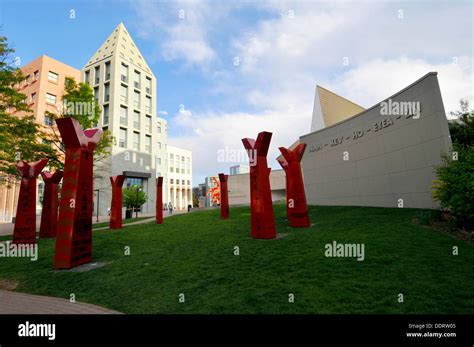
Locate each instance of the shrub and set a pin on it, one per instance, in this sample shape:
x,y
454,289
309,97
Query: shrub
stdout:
x,y
454,188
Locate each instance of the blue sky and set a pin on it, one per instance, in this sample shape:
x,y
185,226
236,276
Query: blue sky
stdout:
x,y
362,50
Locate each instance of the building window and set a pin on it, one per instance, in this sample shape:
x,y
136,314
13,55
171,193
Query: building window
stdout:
x,y
177,169
52,77
123,94
182,182
122,138
159,145
134,181
106,92
124,73
148,143
171,169
136,141
148,105
87,76
106,115
136,99
158,128
148,85
50,99
188,182
136,120
123,116
33,97
97,74
171,180
48,121
136,79
96,94
36,75
158,161
148,124
107,71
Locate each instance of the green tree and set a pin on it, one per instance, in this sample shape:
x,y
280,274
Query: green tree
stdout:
x,y
462,129
78,101
21,138
133,197
454,188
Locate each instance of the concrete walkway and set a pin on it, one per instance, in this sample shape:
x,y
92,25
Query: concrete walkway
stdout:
x,y
20,303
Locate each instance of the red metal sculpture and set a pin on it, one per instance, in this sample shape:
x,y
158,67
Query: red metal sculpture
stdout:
x,y
116,204
159,200
262,218
296,198
49,213
24,231
74,236
284,165
224,196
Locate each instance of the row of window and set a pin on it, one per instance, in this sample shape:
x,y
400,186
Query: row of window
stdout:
x,y
188,182
52,77
122,141
124,76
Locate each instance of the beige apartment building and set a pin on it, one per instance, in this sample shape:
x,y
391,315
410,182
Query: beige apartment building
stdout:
x,y
44,88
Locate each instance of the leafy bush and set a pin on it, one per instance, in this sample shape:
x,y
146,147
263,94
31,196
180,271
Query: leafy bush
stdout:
x,y
454,188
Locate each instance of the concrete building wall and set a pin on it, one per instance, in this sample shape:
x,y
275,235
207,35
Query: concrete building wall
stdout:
x,y
239,187
388,157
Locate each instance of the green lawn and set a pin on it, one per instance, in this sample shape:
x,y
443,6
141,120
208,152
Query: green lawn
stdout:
x,y
124,221
193,254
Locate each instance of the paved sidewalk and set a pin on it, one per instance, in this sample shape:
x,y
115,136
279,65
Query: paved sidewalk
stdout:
x,y
20,303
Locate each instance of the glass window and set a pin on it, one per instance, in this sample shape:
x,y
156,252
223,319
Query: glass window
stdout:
x,y
123,94
107,92
107,71
136,120
52,76
148,124
148,85
148,143
97,74
50,99
136,141
136,99
106,114
123,115
123,138
148,105
48,121
136,79
124,73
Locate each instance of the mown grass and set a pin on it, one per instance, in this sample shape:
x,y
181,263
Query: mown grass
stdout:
x,y
193,254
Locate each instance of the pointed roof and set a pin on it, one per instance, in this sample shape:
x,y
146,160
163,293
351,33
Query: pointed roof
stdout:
x,y
330,108
120,43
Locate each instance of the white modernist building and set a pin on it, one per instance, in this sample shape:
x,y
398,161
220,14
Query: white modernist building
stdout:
x,y
125,88
180,183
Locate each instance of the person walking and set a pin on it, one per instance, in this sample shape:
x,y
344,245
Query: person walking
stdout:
x,y
170,208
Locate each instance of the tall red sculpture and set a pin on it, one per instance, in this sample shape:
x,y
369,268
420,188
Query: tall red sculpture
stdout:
x,y
116,204
24,231
159,200
49,213
296,198
284,165
262,218
224,196
74,236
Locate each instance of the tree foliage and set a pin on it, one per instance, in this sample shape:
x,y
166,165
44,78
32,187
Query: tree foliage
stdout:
x,y
133,197
21,137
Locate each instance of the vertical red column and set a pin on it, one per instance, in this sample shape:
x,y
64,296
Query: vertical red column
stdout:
x,y
262,218
49,213
224,196
159,200
74,236
296,197
284,165
116,204
24,231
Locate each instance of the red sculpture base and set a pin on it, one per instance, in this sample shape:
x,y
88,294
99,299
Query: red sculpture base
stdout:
x,y
297,208
49,214
262,218
159,200
24,231
224,196
116,204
